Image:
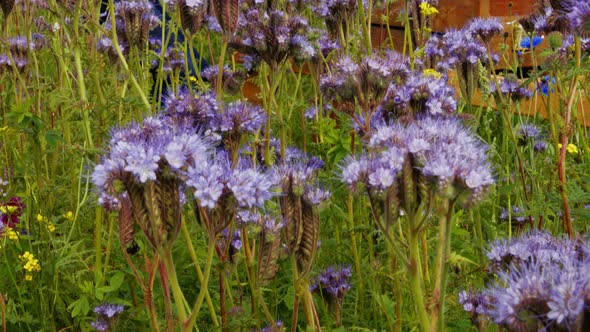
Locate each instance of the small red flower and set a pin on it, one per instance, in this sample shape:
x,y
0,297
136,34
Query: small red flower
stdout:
x,y
11,211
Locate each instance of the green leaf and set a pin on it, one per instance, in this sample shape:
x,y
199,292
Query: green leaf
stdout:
x,y
117,280
80,307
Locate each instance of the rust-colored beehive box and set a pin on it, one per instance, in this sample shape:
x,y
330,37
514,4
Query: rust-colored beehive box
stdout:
x,y
455,13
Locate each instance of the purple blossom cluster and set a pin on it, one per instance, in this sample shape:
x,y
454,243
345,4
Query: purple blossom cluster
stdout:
x,y
542,284
510,88
335,13
333,283
174,60
273,36
299,175
231,80
364,83
447,153
134,20
203,111
484,28
529,133
219,181
420,94
516,217
19,49
107,316
142,151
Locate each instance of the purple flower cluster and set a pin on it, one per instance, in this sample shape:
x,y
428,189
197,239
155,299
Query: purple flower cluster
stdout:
x,y
542,282
203,111
141,151
174,60
578,14
441,148
418,95
273,36
529,133
363,83
218,180
333,283
484,28
335,13
231,80
456,49
511,88
134,20
19,48
298,175
107,316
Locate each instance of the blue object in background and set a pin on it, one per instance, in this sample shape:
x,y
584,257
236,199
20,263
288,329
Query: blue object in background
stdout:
x,y
544,85
526,42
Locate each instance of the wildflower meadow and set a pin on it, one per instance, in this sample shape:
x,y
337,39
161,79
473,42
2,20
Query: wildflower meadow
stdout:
x,y
294,165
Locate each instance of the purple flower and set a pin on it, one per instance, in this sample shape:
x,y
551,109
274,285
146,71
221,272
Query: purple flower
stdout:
x,y
578,14
140,151
109,310
510,87
107,316
207,183
239,117
485,28
333,282
231,80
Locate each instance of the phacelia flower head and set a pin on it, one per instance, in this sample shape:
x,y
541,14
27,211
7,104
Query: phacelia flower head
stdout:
x,y
107,314
446,153
419,95
578,14
333,282
485,28
542,281
147,161
273,36
231,80
511,88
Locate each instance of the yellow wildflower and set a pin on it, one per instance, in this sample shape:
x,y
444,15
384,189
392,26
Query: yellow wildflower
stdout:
x,y
426,9
40,217
28,277
30,262
51,227
192,79
8,209
571,148
69,215
432,72
11,234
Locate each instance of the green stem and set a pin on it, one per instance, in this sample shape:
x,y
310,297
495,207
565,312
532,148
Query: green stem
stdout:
x,y
219,86
128,72
176,291
193,255
416,279
188,324
443,248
